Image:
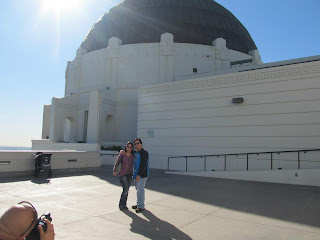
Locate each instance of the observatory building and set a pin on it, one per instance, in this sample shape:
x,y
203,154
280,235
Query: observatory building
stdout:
x,y
187,78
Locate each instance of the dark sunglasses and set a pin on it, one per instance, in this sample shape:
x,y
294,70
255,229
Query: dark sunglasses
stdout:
x,y
136,143
128,146
35,216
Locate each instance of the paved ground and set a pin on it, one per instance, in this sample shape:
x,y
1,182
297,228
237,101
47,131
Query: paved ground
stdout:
x,y
85,206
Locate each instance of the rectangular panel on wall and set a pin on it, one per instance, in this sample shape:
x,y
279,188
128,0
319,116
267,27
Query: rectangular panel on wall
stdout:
x,y
285,160
195,164
259,162
177,164
309,160
215,163
236,163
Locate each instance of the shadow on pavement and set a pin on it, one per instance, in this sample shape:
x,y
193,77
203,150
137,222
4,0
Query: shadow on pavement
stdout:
x,y
294,203
154,226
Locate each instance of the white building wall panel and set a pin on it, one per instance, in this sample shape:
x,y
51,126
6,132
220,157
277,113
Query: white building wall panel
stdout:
x,y
225,145
93,70
280,111
248,88
46,121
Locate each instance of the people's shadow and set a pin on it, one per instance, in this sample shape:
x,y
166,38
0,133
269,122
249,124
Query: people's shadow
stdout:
x,y
154,228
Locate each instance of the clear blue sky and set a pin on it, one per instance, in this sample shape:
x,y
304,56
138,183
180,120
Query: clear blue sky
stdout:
x,y
38,37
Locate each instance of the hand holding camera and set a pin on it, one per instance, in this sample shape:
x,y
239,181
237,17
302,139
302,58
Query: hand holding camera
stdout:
x,y
46,230
43,230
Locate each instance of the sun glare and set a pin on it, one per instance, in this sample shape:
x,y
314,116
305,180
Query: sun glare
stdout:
x,y
53,12
59,6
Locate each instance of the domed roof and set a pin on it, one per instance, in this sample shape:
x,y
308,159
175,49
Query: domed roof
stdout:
x,y
190,21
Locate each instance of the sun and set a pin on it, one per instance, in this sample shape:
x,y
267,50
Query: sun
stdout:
x,y
58,6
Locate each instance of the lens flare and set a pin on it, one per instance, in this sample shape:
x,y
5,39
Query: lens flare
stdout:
x,y
59,6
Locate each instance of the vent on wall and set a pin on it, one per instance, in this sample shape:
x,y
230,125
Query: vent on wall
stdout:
x,y
237,100
4,162
72,160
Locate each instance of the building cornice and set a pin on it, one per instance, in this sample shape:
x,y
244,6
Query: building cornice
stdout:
x,y
233,78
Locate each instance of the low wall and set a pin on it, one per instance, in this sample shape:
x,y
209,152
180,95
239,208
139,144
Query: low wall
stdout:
x,y
106,144
108,157
60,146
262,161
21,163
310,177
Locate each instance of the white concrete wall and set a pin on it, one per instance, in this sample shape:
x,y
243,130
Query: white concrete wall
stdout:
x,y
61,109
284,161
139,64
106,81
108,157
126,114
60,146
16,162
281,111
310,177
46,121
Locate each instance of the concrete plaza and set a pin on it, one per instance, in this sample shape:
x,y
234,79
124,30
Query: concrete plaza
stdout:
x,y
85,206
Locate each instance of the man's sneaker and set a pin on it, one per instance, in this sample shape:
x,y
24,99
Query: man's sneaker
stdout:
x,y
122,208
134,206
139,210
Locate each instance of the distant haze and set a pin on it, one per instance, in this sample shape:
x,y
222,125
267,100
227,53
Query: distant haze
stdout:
x,y
14,148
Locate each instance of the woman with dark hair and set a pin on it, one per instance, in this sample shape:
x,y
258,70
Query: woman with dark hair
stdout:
x,y
125,175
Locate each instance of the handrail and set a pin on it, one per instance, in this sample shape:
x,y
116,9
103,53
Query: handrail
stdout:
x,y
237,154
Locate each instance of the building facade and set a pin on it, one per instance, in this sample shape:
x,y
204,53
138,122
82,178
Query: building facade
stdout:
x,y
168,71
279,111
153,42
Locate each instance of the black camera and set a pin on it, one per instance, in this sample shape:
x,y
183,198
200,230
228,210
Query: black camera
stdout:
x,y
35,234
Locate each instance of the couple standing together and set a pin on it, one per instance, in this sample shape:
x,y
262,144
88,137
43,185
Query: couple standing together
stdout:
x,y
135,165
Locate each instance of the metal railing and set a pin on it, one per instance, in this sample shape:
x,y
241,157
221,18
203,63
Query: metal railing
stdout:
x,y
247,156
